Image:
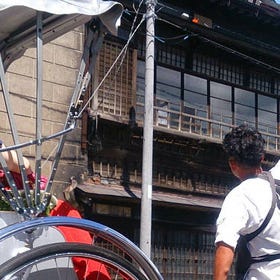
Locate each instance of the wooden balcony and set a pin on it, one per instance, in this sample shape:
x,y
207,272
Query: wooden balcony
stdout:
x,y
193,125
196,183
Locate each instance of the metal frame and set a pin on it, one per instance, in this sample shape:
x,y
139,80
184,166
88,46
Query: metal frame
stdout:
x,y
95,34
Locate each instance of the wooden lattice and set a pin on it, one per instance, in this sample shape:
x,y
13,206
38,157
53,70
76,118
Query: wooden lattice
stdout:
x,y
116,94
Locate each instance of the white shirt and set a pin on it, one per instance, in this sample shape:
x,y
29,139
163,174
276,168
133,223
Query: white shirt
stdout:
x,y
243,210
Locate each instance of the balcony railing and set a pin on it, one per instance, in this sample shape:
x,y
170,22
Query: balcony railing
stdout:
x,y
174,118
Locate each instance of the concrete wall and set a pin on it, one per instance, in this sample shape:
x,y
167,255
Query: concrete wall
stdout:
x,y
61,63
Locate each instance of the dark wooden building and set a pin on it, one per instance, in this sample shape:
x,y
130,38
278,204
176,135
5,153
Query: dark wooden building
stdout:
x,y
216,66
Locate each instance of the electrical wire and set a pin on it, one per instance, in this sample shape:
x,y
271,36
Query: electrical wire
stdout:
x,y
244,56
162,39
131,31
227,49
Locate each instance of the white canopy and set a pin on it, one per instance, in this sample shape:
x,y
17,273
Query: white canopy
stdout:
x,y
18,21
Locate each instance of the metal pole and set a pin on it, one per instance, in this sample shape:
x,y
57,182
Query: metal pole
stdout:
x,y
39,87
147,164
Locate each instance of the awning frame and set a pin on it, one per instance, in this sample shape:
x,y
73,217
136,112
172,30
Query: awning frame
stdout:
x,y
46,28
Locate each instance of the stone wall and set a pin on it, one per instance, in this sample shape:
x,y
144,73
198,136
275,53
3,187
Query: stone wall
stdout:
x,y
61,61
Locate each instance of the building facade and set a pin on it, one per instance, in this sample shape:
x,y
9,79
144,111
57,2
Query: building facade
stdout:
x,y
61,60
216,66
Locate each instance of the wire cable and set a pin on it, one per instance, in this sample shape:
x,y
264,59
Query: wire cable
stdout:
x,y
227,49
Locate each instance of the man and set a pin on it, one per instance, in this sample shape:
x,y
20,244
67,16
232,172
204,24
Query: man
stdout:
x,y
246,206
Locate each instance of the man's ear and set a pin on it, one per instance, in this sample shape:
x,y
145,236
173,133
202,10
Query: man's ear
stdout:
x,y
233,165
232,162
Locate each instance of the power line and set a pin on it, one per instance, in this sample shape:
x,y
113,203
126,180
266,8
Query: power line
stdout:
x,y
227,49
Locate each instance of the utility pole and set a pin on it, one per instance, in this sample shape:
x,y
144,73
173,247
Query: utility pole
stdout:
x,y
147,163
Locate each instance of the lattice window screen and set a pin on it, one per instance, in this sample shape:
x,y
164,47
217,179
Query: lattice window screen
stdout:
x,y
117,93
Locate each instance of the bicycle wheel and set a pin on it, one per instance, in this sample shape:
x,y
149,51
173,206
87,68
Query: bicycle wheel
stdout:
x,y
110,239
59,261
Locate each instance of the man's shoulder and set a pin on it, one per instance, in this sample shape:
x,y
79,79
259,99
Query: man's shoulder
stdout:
x,y
253,183
250,188
275,171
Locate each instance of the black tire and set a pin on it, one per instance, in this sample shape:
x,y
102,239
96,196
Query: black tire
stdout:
x,y
20,264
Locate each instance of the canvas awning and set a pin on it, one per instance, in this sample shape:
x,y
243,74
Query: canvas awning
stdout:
x,y
18,21
271,7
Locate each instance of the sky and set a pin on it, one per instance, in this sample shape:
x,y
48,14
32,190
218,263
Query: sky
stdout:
x,y
277,1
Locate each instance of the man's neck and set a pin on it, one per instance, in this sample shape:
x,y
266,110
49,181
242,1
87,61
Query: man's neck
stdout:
x,y
249,172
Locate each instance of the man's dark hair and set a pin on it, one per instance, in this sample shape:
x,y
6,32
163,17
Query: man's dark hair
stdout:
x,y
245,145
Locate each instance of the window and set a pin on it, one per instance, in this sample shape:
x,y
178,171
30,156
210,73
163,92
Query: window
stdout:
x,y
231,73
115,94
244,107
260,82
215,67
211,96
220,102
206,65
170,56
220,108
168,85
277,86
267,114
267,119
195,103
195,93
168,96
